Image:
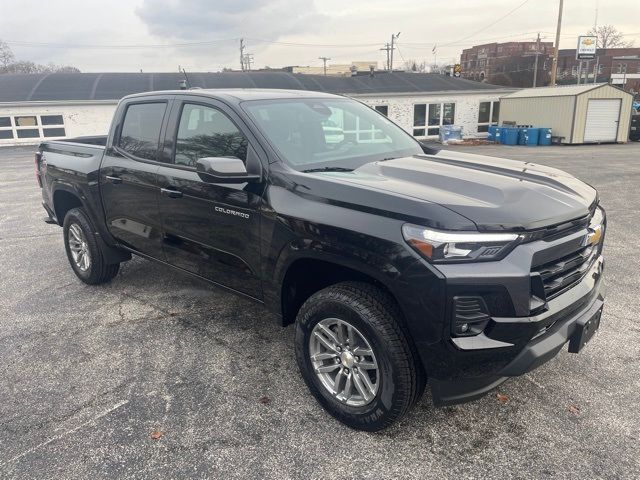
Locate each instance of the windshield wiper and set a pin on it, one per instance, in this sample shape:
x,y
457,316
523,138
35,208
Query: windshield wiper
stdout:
x,y
328,169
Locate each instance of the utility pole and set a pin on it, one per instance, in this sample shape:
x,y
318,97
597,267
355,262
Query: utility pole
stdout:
x,y
248,60
387,48
595,30
535,65
324,63
393,39
554,64
242,54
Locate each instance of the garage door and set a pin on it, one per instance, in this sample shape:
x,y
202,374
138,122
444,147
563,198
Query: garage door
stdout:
x,y
602,120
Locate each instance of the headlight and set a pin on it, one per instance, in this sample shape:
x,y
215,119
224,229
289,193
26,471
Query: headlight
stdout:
x,y
597,219
446,247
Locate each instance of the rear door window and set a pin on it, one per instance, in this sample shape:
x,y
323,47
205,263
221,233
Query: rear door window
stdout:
x,y
140,132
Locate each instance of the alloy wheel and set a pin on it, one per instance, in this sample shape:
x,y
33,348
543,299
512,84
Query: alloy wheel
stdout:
x,y
79,248
344,361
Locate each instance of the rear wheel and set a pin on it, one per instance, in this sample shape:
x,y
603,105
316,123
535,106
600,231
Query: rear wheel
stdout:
x,y
84,251
355,357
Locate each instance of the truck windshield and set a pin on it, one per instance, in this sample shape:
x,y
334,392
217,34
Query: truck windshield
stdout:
x,y
329,133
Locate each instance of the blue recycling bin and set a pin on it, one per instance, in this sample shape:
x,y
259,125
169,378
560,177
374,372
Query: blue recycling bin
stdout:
x,y
528,136
502,134
450,132
510,135
492,133
544,138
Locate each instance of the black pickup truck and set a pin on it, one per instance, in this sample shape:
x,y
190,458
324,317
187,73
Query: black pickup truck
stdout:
x,y
401,266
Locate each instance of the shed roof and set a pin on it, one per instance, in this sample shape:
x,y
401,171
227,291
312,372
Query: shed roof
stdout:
x,y
559,91
114,86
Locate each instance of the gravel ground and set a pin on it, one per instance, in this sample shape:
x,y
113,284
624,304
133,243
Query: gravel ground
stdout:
x,y
88,374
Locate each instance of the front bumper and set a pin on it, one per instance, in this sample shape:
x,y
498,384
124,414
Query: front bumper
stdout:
x,y
550,330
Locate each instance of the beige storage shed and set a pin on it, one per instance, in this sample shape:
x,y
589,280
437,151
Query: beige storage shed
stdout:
x,y
597,113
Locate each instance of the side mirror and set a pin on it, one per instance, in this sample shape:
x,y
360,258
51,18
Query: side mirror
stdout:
x,y
428,149
224,170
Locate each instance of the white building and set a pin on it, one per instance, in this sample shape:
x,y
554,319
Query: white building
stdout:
x,y
39,106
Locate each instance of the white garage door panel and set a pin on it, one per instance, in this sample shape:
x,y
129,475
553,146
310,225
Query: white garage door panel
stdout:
x,y
602,120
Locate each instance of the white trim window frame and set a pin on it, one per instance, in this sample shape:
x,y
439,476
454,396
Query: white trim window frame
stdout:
x,y
429,117
7,130
26,126
492,119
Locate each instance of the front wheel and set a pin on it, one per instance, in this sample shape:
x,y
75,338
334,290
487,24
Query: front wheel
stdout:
x,y
354,355
84,251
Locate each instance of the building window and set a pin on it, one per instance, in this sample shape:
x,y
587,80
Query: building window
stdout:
x,y
383,109
488,113
29,133
53,132
428,118
6,131
574,70
30,121
51,120
31,126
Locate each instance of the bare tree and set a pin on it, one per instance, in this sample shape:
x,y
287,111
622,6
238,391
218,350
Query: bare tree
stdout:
x,y
9,64
415,66
608,36
6,55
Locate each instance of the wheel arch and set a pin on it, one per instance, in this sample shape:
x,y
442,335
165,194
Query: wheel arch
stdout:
x,y
65,199
305,275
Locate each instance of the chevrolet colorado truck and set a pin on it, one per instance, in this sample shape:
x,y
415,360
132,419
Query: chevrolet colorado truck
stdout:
x,y
401,266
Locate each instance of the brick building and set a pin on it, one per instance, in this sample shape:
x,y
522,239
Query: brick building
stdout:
x,y
510,64
618,66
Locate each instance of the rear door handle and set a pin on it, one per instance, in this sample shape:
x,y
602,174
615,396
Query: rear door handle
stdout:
x,y
171,193
114,179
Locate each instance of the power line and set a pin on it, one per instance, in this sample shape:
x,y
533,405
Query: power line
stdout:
x,y
430,45
109,47
488,26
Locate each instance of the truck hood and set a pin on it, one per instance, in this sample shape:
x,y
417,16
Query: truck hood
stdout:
x,y
493,193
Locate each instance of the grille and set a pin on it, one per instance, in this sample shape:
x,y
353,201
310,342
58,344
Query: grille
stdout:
x,y
561,274
558,231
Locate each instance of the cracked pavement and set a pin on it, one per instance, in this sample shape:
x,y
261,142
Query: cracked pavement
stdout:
x,y
87,374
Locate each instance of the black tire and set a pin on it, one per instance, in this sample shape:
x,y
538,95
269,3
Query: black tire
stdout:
x,y
377,316
98,271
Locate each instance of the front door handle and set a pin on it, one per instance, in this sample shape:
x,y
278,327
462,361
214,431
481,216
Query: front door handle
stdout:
x,y
114,179
171,193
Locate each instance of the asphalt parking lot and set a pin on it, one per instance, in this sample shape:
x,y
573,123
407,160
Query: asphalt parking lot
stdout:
x,y
88,374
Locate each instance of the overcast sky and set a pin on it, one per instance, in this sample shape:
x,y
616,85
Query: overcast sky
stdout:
x,y
84,33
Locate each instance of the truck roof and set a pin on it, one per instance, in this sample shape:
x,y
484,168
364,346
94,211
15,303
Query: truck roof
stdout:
x,y
240,94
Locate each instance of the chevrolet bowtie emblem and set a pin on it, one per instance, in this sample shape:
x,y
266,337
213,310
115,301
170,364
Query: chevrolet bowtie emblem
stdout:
x,y
594,236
